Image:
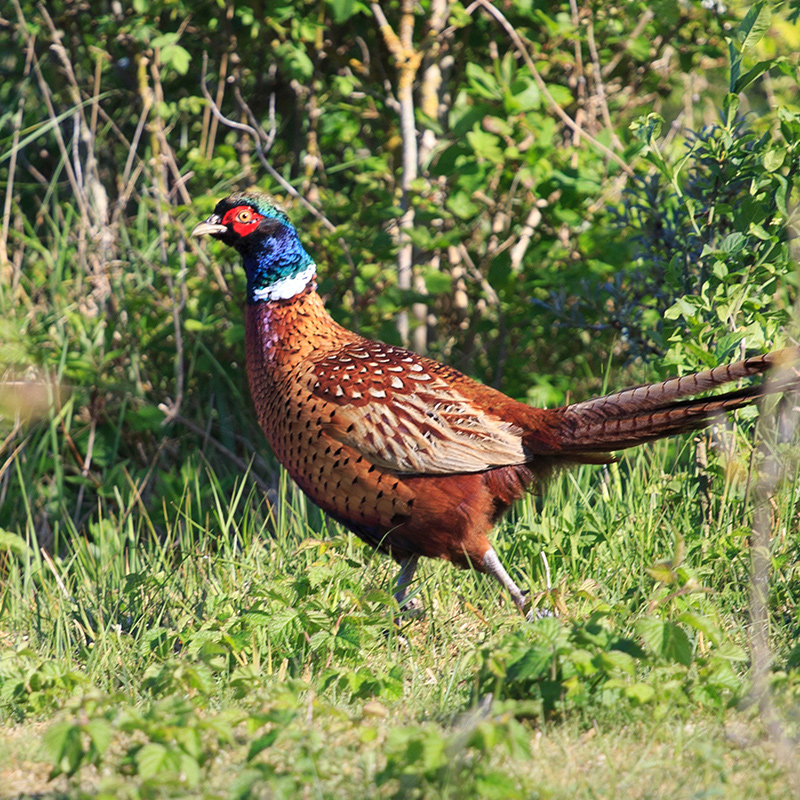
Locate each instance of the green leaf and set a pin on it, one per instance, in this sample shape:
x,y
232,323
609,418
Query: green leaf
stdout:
x,y
343,10
561,94
189,770
61,745
733,243
164,40
262,743
773,159
525,97
736,72
702,624
793,660
754,25
438,282
177,57
615,660
13,542
647,128
651,630
532,664
496,785
195,325
152,759
757,71
759,232
54,740
780,194
462,206
681,308
242,785
482,82
295,60
434,755
676,646
485,145
640,692
731,652
101,732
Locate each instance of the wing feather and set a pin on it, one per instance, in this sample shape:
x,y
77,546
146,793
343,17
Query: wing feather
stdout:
x,y
401,412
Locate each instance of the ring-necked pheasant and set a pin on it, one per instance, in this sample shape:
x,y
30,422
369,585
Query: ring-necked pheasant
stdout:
x,y
411,455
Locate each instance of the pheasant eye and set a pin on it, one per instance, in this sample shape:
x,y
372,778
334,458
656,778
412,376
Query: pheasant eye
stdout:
x,y
245,215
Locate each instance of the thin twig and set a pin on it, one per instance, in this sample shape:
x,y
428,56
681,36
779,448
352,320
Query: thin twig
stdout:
x,y
580,81
45,90
525,235
178,303
783,422
268,137
644,21
87,177
12,166
87,463
488,290
241,126
523,51
600,86
147,104
212,135
17,450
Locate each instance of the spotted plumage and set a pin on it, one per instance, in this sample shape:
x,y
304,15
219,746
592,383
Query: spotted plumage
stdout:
x,y
414,457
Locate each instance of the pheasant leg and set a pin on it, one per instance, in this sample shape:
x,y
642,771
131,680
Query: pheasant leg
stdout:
x,y
412,606
492,565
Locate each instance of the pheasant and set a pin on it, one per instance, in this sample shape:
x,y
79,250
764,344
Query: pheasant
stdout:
x,y
412,456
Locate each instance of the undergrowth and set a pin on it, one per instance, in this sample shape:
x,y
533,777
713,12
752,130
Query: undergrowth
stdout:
x,y
249,649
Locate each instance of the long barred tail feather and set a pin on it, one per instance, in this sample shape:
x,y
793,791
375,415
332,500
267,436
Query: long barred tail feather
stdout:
x,y
651,411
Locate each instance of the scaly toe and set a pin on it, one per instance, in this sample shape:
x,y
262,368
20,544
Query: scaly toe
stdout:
x,y
412,608
539,613
530,613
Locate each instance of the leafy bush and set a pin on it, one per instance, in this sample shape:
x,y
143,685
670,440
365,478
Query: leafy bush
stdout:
x,y
30,685
588,665
712,227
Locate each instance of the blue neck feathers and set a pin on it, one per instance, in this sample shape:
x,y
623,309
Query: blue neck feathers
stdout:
x,y
276,264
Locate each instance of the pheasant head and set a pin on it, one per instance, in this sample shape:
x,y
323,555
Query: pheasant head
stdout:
x,y
275,262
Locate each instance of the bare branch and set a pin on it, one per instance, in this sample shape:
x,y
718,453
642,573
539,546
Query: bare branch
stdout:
x,y
526,234
600,86
407,61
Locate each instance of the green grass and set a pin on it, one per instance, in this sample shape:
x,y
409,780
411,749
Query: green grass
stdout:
x,y
177,621
247,649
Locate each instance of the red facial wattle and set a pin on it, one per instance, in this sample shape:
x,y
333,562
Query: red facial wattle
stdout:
x,y
242,219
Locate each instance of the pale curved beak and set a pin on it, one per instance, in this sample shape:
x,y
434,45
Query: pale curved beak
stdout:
x,y
209,227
